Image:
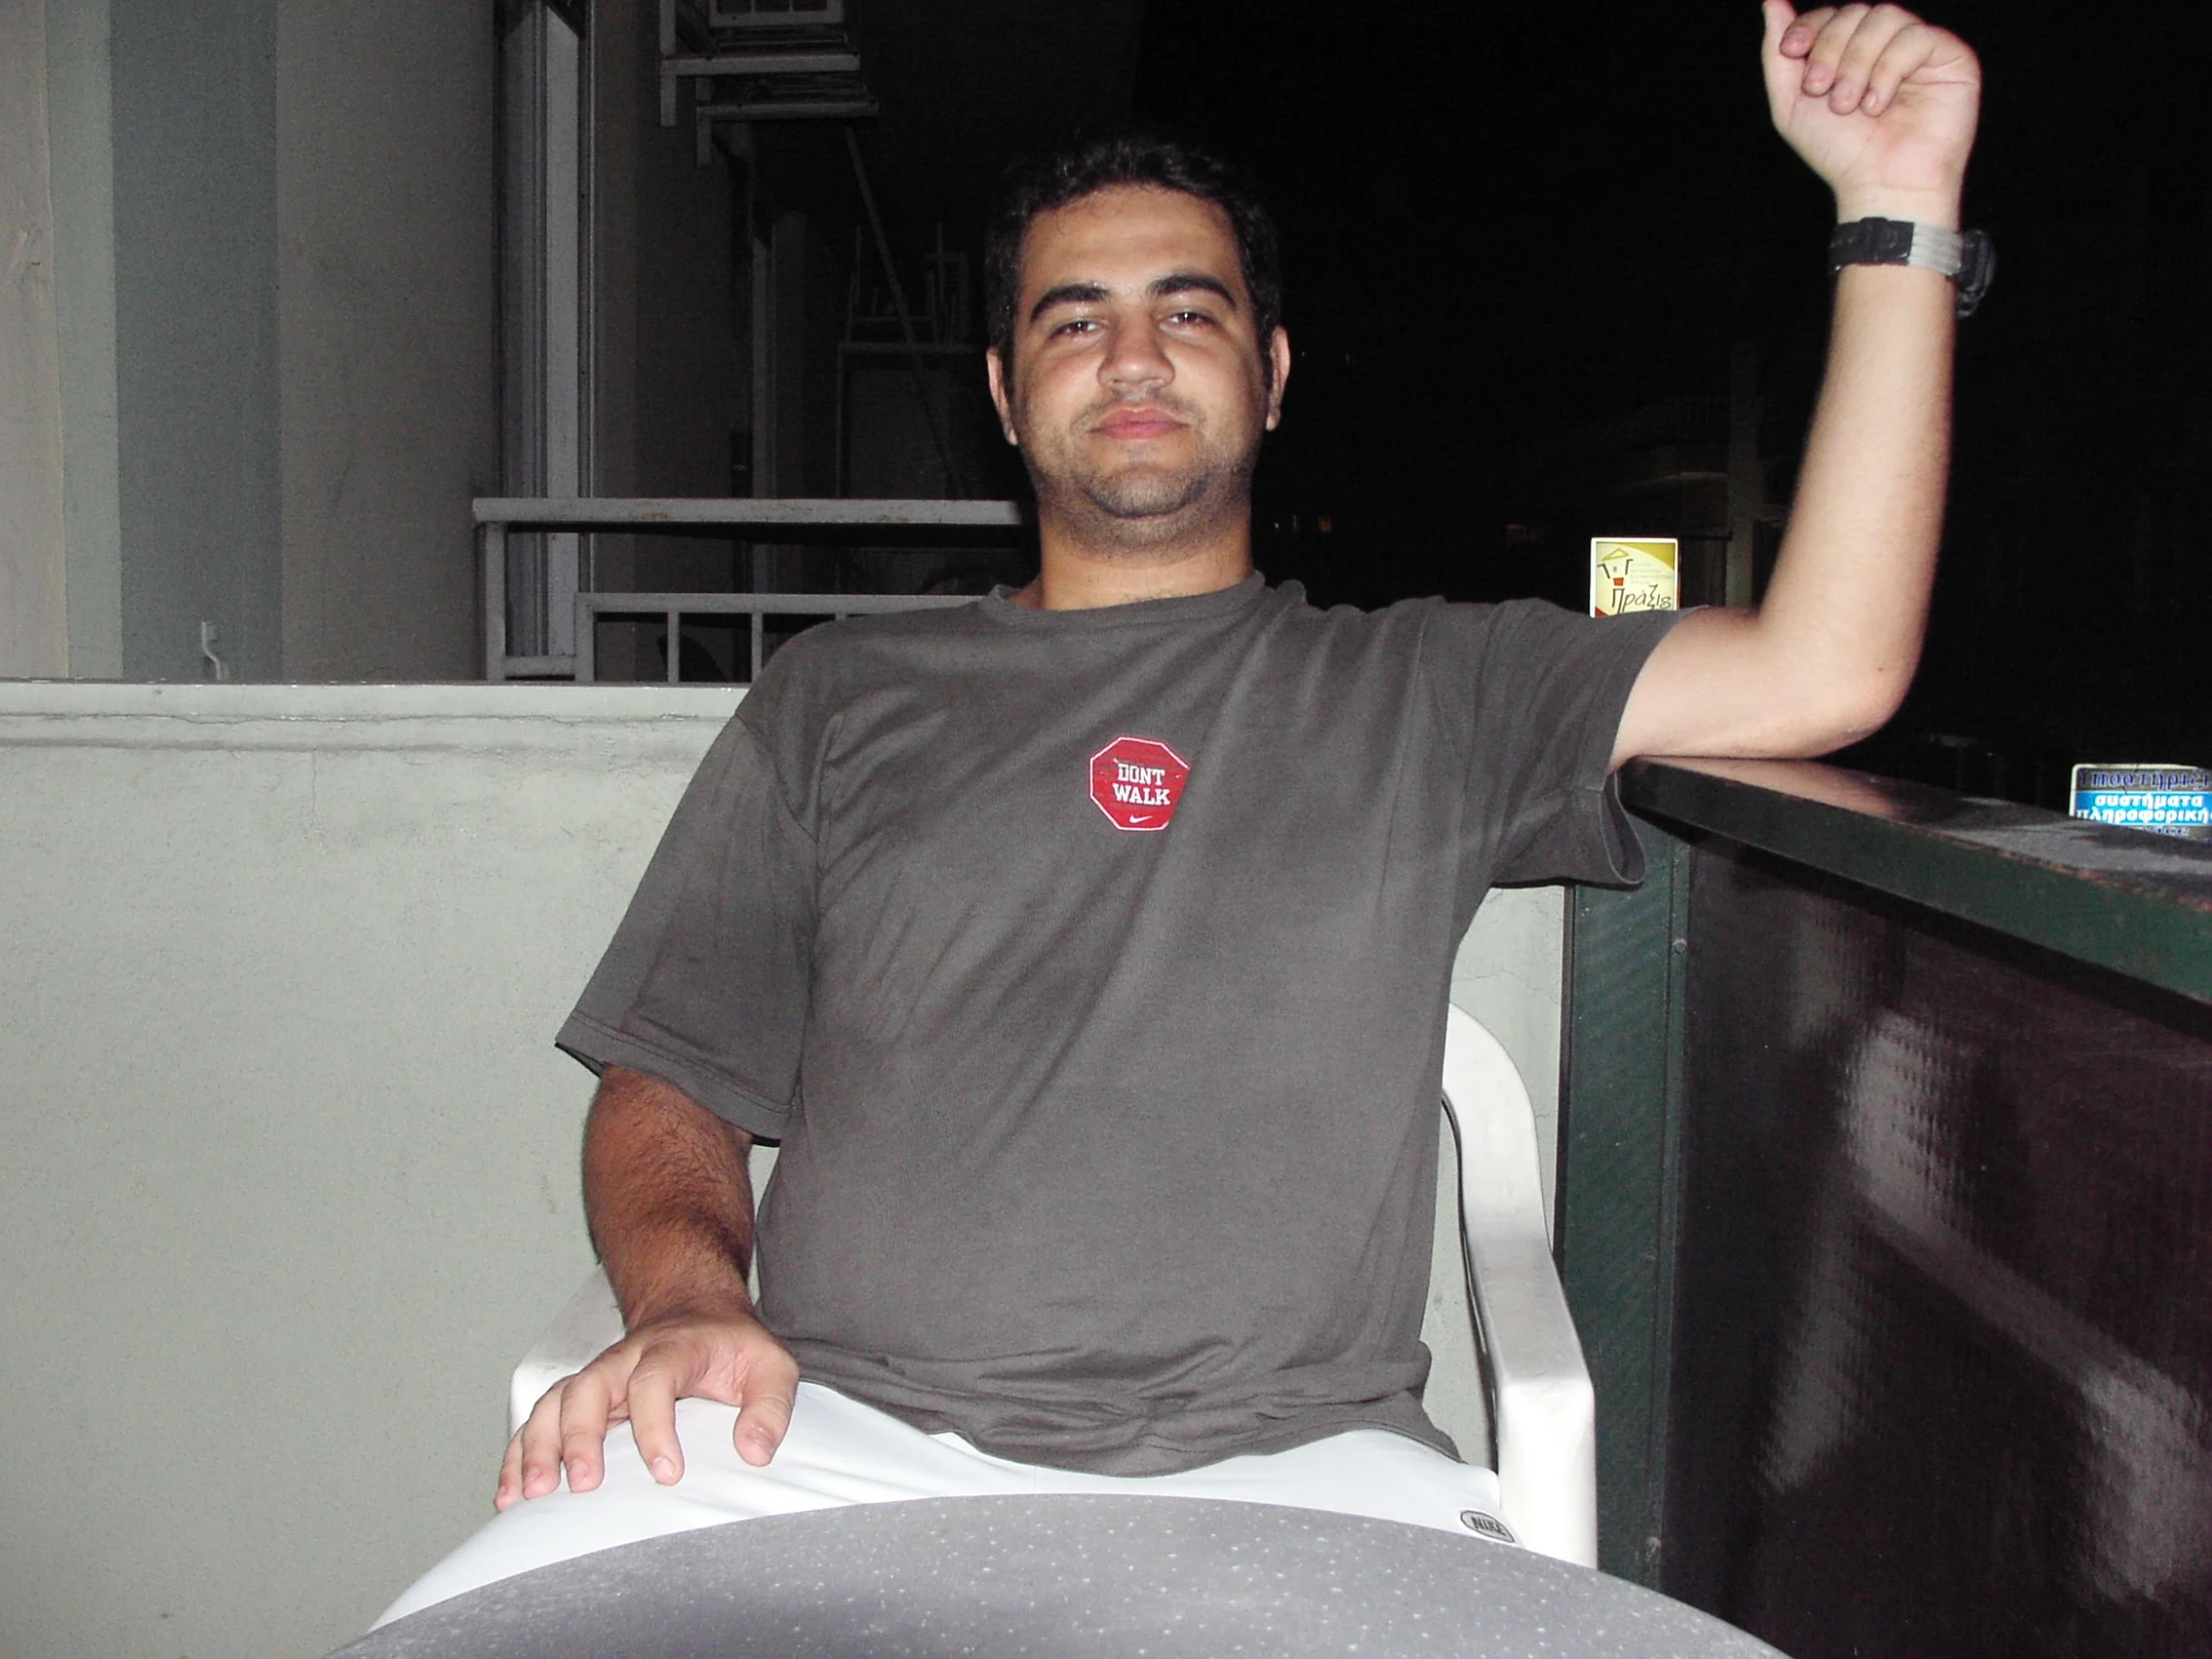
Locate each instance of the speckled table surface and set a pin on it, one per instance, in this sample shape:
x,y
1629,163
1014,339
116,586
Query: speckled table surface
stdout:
x,y
1064,1577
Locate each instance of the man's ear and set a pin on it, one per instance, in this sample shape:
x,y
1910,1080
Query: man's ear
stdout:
x,y
1279,374
994,371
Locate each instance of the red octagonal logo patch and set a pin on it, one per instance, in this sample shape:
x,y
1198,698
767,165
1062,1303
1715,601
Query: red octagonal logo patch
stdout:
x,y
1137,782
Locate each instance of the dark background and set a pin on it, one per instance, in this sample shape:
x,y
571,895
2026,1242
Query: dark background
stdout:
x,y
1512,228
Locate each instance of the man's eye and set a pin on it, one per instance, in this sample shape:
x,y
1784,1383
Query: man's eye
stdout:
x,y
1075,325
1191,318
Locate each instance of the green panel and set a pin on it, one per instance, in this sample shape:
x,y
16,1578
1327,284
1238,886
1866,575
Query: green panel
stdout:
x,y
2124,901
1619,1099
2136,903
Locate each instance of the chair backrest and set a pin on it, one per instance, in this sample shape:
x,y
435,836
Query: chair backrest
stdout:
x,y
1502,1182
1483,1087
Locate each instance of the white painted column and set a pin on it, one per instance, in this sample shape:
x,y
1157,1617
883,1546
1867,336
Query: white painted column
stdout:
x,y
34,619
80,128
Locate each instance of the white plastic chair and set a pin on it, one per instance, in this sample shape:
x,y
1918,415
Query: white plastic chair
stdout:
x,y
1541,1408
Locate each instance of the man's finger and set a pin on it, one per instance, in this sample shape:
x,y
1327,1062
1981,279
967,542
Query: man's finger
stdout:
x,y
1854,70
1828,50
1910,50
537,1449
765,1409
583,1426
509,1492
652,1390
1792,33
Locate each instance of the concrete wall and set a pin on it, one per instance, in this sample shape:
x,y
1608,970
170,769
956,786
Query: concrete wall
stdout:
x,y
291,1172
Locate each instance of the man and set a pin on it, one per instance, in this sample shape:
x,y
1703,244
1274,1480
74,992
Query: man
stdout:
x,y
1087,949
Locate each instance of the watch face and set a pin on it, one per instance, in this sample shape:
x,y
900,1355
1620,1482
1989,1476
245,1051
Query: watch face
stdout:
x,y
1977,263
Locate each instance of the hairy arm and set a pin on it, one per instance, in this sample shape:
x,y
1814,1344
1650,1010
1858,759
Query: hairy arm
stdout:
x,y
671,1211
1883,107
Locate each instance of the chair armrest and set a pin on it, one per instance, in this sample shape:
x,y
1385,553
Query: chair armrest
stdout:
x,y
589,1324
1541,1400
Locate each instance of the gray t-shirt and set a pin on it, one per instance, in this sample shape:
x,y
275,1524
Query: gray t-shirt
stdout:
x,y
1091,967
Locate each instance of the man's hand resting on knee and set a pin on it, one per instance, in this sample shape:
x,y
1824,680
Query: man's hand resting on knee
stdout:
x,y
671,1208
639,1380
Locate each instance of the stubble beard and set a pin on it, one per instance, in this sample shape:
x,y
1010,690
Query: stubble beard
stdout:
x,y
1141,508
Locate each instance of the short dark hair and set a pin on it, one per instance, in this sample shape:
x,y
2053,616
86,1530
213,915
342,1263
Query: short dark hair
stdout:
x,y
1150,158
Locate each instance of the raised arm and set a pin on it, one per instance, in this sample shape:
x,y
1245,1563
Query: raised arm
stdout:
x,y
671,1208
1883,107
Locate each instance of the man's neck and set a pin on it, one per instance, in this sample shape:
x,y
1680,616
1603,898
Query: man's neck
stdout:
x,y
1074,576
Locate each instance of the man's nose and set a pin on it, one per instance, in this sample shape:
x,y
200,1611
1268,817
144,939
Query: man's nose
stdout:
x,y
1137,361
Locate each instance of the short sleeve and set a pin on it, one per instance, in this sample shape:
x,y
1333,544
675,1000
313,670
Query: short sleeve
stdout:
x,y
1537,694
704,986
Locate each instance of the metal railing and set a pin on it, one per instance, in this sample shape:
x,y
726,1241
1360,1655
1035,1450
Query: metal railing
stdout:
x,y
496,516
760,605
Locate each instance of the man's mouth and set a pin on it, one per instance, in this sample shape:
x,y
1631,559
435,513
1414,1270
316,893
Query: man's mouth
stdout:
x,y
1134,425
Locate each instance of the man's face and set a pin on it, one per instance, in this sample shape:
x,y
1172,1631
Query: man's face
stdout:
x,y
1138,389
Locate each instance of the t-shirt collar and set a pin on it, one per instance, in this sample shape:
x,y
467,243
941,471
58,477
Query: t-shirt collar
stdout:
x,y
999,606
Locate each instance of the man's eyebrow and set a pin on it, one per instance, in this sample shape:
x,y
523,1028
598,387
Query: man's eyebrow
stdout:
x,y
1067,293
1190,282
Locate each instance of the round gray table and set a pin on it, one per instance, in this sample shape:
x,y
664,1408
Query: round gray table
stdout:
x,y
1059,1578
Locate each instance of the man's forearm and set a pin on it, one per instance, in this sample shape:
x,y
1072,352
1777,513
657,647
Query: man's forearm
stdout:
x,y
669,1200
1848,602
1830,651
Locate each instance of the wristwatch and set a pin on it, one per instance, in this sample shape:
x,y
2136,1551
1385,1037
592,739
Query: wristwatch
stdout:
x,y
1966,256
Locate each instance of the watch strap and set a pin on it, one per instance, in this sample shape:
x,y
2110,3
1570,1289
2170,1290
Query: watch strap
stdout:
x,y
1966,256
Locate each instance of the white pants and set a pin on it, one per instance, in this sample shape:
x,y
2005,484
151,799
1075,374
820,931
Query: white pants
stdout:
x,y
839,1451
